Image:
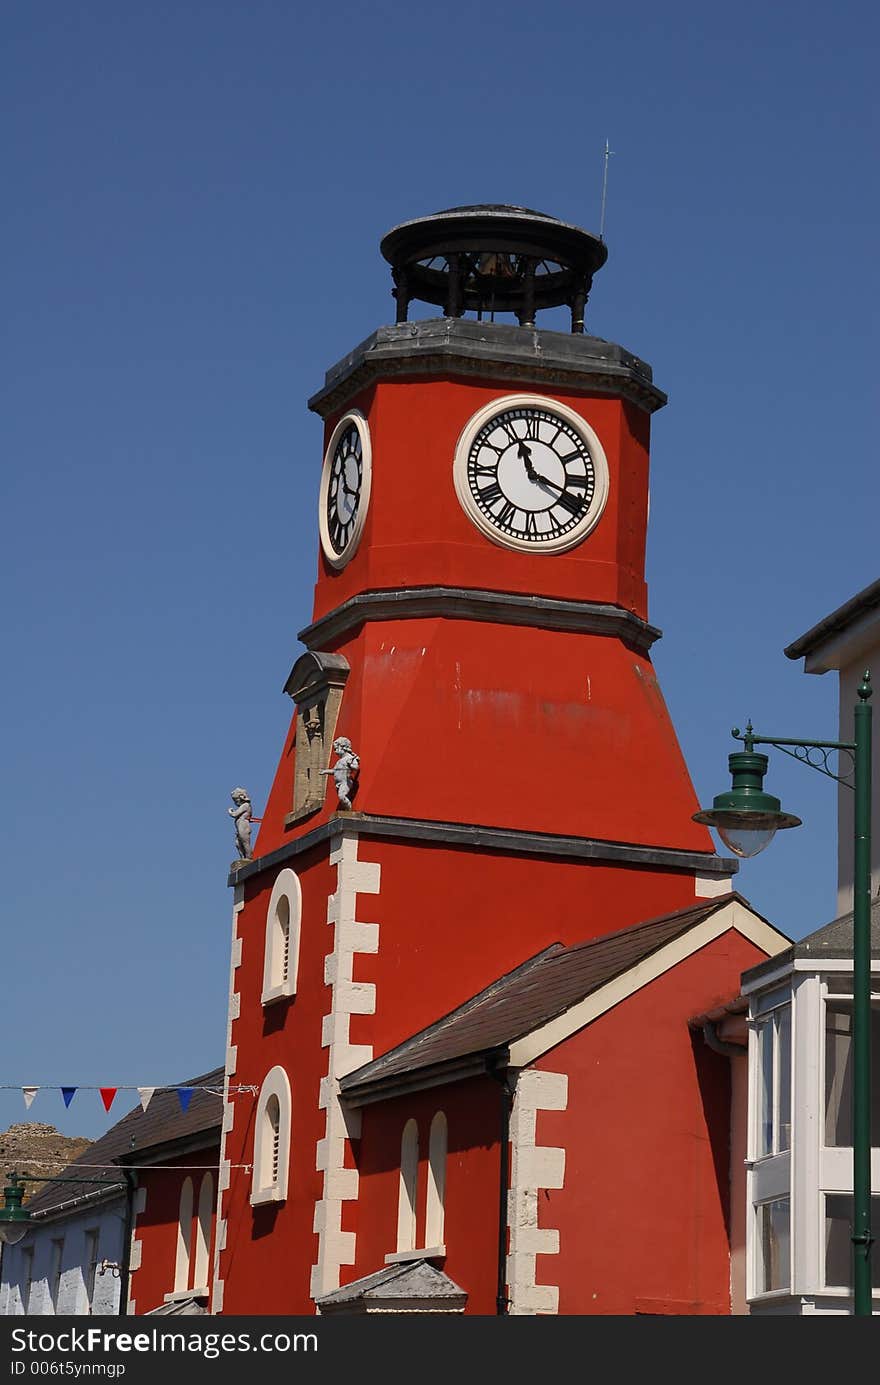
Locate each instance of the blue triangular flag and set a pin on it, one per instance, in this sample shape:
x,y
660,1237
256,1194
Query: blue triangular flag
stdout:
x,y
184,1096
68,1093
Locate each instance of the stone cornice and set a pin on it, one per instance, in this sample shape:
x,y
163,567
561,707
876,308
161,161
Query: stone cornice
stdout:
x,y
500,351
463,603
490,839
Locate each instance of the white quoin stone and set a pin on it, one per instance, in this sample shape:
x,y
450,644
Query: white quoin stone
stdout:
x,y
532,1167
349,997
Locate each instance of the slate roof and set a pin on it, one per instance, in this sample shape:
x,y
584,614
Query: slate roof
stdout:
x,y
833,940
541,988
414,1281
136,1133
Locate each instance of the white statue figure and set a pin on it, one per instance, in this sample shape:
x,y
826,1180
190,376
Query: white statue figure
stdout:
x,y
242,815
345,771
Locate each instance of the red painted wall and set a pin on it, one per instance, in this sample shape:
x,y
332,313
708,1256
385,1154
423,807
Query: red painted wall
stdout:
x,y
157,1226
271,1249
472,1184
450,922
416,533
643,1213
506,726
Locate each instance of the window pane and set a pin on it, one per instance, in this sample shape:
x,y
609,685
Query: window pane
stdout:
x,y
838,1073
838,1245
774,1245
783,1037
765,1097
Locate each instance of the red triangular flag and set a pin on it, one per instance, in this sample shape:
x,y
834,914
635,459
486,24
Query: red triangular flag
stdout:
x,y
107,1095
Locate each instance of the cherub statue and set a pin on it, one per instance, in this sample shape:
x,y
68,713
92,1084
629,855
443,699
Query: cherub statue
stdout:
x,y
242,815
345,771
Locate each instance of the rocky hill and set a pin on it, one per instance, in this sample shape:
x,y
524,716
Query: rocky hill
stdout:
x,y
39,1149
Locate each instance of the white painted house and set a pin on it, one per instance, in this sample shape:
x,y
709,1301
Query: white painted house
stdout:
x,y
799,1146
71,1259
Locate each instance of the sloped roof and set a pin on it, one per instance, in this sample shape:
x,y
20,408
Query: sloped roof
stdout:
x,y
415,1285
137,1132
833,940
835,623
545,986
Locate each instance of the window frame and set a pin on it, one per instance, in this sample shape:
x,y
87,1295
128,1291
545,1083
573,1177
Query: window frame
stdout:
x,y
275,1084
769,1019
287,887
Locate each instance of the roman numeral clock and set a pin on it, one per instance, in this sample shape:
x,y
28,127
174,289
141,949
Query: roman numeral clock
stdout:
x,y
531,474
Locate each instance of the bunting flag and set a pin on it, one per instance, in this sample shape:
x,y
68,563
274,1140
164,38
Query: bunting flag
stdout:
x,y
29,1093
184,1096
146,1095
107,1095
68,1093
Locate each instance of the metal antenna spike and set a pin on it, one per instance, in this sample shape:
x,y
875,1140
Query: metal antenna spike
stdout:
x,y
606,156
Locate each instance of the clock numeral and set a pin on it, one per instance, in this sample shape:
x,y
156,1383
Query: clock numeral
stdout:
x,y
506,513
485,468
532,428
531,525
572,503
489,494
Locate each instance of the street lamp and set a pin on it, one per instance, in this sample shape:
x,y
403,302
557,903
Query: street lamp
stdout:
x,y
14,1219
746,818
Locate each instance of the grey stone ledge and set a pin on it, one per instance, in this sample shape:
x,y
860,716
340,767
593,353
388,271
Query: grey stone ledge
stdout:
x,y
463,603
504,839
461,346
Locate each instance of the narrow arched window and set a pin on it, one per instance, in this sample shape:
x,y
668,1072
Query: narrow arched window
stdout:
x,y
272,1139
436,1181
184,1236
281,956
409,1172
203,1232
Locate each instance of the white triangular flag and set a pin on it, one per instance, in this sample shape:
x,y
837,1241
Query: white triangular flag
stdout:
x,y
145,1094
29,1093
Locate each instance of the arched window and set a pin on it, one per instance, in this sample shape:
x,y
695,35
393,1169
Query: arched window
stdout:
x,y
203,1232
436,1182
272,1139
281,956
184,1236
409,1172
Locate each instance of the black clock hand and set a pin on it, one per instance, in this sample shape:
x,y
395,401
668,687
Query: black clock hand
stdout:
x,y
526,455
545,481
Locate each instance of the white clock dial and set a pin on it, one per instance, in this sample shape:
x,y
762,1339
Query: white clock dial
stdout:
x,y
345,488
531,474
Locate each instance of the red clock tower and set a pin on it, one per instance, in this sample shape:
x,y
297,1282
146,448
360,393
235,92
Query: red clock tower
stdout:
x,y
480,762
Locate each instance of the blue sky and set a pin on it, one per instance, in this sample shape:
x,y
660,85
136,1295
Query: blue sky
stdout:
x,y
194,196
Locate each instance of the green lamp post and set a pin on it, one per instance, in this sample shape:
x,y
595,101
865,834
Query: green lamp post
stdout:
x,y
746,818
14,1219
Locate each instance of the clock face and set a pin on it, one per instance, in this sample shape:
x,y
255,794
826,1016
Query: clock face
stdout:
x,y
345,489
531,474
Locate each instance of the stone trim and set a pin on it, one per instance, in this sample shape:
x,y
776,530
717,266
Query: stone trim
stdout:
x,y
532,1167
711,886
497,351
223,1170
136,1250
466,603
491,839
349,997
315,683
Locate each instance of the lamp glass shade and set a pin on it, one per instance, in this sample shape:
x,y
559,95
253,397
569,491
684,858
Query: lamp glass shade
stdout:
x,y
746,841
11,1232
